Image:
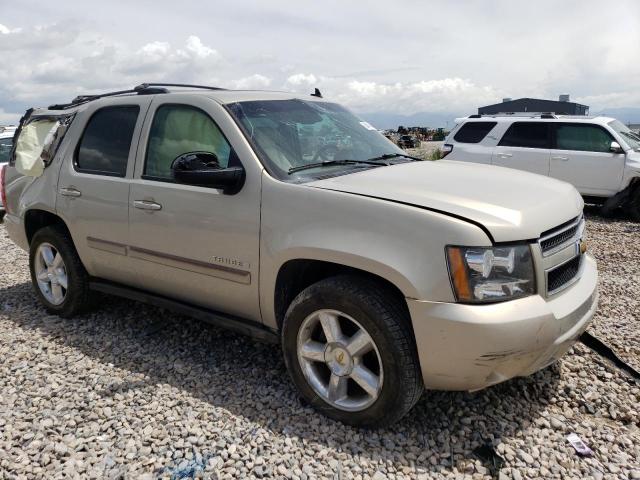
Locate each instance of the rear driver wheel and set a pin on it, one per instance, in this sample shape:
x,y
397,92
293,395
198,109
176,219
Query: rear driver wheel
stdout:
x,y
57,274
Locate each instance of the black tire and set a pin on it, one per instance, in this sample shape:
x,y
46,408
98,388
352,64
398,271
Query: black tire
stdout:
x,y
633,207
78,296
386,320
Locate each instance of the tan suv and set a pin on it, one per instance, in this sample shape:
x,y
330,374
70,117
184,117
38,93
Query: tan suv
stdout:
x,y
288,218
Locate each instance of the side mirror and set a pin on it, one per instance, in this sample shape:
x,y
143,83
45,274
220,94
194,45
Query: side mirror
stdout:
x,y
615,148
203,169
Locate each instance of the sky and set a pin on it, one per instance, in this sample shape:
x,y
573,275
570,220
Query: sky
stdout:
x,y
445,58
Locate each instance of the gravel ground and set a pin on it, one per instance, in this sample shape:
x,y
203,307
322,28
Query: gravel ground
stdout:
x,y
132,391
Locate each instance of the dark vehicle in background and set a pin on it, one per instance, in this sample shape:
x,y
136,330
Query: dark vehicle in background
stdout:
x,y
408,141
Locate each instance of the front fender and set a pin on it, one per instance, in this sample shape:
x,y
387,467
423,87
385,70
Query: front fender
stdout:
x,y
400,243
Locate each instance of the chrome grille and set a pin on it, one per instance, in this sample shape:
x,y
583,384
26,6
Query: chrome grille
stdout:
x,y
558,237
563,275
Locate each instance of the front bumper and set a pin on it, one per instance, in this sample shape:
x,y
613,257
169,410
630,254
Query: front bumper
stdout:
x,y
469,347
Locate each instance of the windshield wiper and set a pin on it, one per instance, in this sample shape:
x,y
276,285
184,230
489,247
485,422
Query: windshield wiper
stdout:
x,y
387,156
631,135
328,163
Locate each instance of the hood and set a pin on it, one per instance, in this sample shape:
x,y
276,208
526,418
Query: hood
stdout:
x,y
510,204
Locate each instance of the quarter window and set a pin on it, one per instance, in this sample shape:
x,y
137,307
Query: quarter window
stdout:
x,y
585,138
473,132
526,134
180,129
106,141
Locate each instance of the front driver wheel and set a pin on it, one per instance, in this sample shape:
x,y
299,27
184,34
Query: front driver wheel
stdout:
x,y
349,349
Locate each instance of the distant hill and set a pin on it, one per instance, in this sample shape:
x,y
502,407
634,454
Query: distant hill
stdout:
x,y
385,120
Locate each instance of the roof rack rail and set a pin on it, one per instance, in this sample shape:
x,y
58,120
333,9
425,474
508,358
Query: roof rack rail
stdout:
x,y
206,87
81,99
142,89
547,115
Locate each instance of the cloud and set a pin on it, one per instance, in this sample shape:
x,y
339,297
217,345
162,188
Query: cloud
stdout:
x,y
9,118
90,63
300,79
197,48
407,64
4,30
438,95
255,81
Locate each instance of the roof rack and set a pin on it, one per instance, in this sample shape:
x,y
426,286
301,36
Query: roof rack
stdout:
x,y
547,115
142,89
206,87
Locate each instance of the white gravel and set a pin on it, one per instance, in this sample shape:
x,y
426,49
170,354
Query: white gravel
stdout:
x,y
136,392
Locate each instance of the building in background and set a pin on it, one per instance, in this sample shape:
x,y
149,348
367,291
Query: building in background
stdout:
x,y
562,106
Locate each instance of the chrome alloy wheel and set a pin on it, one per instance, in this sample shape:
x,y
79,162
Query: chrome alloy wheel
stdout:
x,y
51,273
340,360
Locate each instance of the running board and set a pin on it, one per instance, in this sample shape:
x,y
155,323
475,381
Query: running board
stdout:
x,y
222,320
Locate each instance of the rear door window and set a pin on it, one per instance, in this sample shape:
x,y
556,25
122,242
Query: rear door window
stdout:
x,y
582,137
106,141
473,132
526,134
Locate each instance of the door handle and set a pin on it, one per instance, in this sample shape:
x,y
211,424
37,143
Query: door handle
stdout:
x,y
70,192
146,205
560,157
504,155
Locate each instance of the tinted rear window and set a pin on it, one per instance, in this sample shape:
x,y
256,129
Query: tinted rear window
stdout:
x,y
526,134
104,147
473,132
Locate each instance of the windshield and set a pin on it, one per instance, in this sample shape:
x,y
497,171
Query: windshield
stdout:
x,y
630,138
296,133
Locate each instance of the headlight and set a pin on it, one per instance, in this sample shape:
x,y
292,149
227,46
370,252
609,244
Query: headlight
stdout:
x,y
491,274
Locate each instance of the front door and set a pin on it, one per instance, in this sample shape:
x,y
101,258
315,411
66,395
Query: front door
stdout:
x,y
582,156
524,146
93,186
195,243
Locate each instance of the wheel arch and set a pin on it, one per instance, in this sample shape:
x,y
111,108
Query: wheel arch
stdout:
x,y
297,274
35,219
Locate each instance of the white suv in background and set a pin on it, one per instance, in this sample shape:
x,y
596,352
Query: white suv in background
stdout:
x,y
600,156
6,142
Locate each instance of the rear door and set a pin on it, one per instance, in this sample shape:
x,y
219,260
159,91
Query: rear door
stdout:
x,y
582,156
188,242
525,146
93,186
